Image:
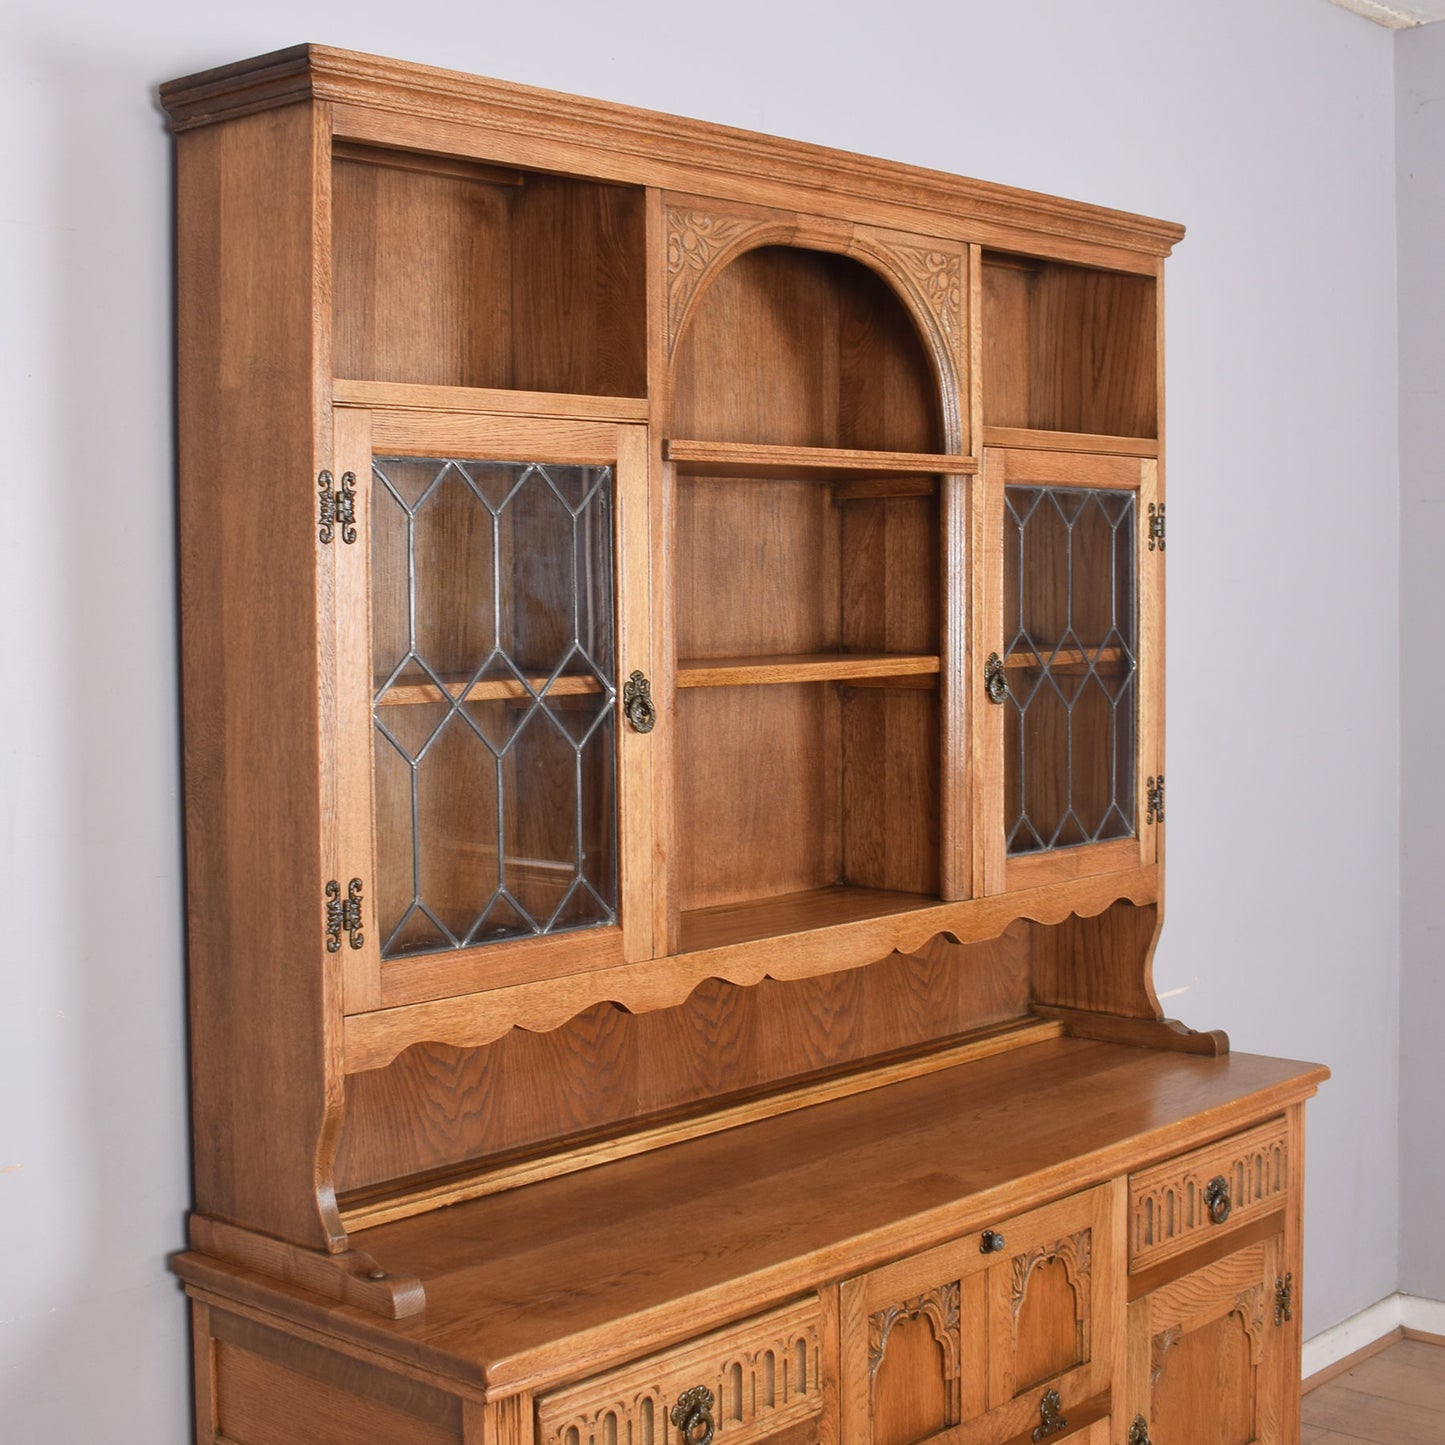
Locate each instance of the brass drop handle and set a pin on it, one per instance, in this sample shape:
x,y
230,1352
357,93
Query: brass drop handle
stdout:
x,y
637,704
693,1415
994,681
1139,1432
990,1242
1216,1199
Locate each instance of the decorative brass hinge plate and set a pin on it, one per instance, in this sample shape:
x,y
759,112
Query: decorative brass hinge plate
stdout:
x,y
1284,1299
336,507
343,915
1155,788
1051,1417
1139,1431
1156,526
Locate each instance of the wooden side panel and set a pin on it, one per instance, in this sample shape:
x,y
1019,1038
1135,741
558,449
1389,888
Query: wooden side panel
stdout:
x,y
254,373
437,1107
1101,963
274,1389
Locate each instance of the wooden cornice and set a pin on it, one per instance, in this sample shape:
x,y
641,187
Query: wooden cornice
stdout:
x,y
626,144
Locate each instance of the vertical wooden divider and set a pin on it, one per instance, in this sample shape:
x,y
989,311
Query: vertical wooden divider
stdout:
x,y
990,718
346,743
1150,702
956,761
666,921
635,653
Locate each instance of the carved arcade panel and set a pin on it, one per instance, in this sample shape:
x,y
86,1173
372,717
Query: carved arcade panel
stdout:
x,y
1173,1205
743,1384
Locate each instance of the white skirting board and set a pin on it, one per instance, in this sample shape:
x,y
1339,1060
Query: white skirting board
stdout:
x,y
1411,1311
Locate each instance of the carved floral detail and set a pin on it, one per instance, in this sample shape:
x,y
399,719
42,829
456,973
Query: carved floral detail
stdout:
x,y
1076,1255
694,239
939,278
939,1307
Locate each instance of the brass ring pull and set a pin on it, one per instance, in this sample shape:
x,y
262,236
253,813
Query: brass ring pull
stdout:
x,y
994,681
637,704
1216,1199
693,1415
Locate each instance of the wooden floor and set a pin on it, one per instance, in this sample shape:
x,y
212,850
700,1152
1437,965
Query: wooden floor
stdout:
x,y
1394,1398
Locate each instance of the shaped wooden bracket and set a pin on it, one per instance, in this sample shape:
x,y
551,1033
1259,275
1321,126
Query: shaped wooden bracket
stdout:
x,y
352,1277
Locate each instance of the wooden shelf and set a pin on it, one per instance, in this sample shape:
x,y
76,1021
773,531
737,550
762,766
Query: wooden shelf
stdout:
x,y
411,396
821,464
504,689
810,667
1037,440
755,918
1066,660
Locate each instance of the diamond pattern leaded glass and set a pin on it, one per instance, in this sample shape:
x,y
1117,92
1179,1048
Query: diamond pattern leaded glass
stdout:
x,y
1070,610
495,705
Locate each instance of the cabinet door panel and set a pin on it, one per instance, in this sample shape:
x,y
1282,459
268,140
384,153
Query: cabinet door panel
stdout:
x,y
502,567
962,1341
1206,1356
1050,1321
1070,740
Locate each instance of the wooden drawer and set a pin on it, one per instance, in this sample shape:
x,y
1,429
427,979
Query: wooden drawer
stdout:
x,y
1169,1203
764,1376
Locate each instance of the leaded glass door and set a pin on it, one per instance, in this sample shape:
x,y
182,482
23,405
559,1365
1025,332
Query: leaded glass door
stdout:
x,y
501,574
1069,708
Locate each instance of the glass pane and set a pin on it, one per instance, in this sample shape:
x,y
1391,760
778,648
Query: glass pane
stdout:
x,y
494,664
1071,659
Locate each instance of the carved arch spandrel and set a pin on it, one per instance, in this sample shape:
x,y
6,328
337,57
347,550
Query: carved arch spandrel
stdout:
x,y
940,1307
930,278
701,240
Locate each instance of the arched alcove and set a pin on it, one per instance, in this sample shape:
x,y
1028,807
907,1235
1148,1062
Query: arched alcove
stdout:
x,y
797,347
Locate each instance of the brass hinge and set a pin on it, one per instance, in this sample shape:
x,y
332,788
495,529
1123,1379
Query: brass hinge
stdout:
x,y
338,507
1156,526
343,915
1284,1299
1155,789
1051,1417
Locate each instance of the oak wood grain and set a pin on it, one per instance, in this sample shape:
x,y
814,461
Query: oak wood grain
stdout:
x,y
253,266
930,1158
456,114
608,1071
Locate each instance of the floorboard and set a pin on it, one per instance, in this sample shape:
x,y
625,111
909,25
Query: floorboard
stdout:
x,y
1394,1398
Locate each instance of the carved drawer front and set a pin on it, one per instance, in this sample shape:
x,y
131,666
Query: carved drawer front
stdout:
x,y
744,1384
1178,1204
1004,1331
